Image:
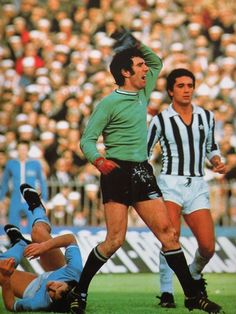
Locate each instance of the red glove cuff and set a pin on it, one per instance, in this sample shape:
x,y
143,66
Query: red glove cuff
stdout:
x,y
105,166
99,161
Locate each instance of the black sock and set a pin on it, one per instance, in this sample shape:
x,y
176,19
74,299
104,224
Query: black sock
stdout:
x,y
94,262
177,262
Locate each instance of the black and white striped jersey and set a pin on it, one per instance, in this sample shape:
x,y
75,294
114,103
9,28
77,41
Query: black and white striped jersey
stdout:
x,y
184,147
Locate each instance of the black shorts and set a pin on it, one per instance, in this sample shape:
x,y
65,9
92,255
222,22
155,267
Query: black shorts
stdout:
x,y
132,182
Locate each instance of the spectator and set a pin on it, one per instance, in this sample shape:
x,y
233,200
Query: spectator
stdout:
x,y
28,71
29,51
18,170
21,29
61,173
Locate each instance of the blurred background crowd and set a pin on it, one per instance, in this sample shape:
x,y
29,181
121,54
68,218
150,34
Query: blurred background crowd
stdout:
x,y
54,68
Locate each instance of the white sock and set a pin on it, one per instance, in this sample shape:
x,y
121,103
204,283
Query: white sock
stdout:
x,y
166,276
196,268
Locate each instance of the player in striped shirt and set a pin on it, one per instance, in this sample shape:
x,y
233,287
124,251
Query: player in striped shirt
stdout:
x,y
186,136
126,177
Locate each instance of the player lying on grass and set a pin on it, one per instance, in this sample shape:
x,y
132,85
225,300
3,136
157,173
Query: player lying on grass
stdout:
x,y
48,291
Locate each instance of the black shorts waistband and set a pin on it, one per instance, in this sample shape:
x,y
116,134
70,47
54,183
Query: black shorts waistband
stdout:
x,y
128,163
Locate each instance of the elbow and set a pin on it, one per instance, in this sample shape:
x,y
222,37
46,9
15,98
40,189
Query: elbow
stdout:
x,y
70,240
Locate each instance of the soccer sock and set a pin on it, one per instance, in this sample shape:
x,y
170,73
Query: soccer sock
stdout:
x,y
94,262
40,215
177,262
197,265
16,251
166,275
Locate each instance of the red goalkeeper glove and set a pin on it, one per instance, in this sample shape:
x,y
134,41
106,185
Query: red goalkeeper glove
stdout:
x,y
105,166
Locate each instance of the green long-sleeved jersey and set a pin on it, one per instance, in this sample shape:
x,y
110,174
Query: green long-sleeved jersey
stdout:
x,y
121,119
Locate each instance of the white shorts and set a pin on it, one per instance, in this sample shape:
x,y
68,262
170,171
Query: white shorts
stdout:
x,y
191,193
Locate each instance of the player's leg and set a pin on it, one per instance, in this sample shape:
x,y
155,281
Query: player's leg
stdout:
x,y
41,229
154,214
116,223
197,214
19,280
115,188
150,206
206,243
165,272
116,217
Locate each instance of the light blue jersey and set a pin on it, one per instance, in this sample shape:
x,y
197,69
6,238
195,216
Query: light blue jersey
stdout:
x,y
36,297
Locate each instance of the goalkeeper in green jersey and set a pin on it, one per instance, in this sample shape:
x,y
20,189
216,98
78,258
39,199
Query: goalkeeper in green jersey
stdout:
x,y
126,177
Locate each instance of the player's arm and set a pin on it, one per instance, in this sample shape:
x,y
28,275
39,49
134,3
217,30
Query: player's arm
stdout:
x,y
218,165
34,250
93,130
155,65
6,270
125,39
212,149
154,132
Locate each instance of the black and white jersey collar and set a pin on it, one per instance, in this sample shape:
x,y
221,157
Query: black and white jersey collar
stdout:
x,y
172,112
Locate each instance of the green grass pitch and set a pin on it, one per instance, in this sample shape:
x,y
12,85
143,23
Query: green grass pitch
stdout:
x,y
136,294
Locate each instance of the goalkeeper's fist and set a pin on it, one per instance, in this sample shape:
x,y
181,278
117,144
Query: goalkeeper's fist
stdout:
x,y
105,166
124,40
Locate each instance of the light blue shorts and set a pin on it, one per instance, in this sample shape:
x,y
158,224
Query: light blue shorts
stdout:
x,y
191,193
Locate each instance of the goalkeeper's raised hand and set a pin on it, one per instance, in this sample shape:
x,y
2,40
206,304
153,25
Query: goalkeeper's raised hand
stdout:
x,y
124,40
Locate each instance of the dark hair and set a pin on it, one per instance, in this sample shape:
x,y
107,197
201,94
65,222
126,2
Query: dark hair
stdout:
x,y
23,142
63,305
123,61
173,75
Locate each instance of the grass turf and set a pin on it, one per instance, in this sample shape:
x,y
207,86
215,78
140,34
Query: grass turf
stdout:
x,y
136,294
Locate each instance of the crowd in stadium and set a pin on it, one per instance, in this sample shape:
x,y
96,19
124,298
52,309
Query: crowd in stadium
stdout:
x,y
54,69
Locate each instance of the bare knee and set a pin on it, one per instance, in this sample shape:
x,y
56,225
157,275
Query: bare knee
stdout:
x,y
207,251
169,238
40,232
111,245
115,243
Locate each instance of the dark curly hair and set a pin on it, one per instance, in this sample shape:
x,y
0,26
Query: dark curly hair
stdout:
x,y
63,305
123,61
